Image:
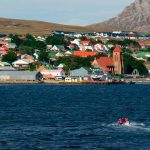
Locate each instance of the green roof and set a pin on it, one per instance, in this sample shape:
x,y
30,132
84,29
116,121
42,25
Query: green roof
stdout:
x,y
143,55
72,51
107,46
59,46
62,53
48,67
5,63
51,54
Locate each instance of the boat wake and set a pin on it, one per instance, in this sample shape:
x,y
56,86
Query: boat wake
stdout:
x,y
132,126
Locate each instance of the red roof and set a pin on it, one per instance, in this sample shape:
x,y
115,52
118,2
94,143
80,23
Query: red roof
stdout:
x,y
22,37
117,49
48,76
103,62
85,42
142,44
3,43
84,54
3,48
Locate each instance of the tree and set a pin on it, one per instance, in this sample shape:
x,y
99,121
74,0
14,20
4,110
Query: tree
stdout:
x,y
124,43
15,39
55,40
9,57
32,66
40,45
30,37
75,62
28,43
43,56
131,63
26,50
93,41
82,38
148,59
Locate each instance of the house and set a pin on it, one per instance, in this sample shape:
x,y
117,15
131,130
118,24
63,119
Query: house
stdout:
x,y
69,53
46,74
28,57
82,72
132,35
61,66
48,47
3,43
86,43
11,45
143,55
36,55
96,71
20,64
112,64
77,42
73,46
6,66
3,50
100,47
86,47
7,39
77,35
60,54
51,54
84,53
22,37
39,38
53,73
82,48
58,48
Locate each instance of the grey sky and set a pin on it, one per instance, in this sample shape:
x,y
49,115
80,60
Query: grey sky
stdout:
x,y
74,12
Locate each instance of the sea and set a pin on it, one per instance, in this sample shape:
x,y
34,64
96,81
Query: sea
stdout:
x,y
74,117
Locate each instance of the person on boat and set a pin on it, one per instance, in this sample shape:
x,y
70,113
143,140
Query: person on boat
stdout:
x,y
120,121
126,120
123,121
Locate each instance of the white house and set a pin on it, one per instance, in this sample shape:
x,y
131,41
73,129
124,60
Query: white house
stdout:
x,y
57,48
77,35
36,55
53,73
20,64
100,47
77,42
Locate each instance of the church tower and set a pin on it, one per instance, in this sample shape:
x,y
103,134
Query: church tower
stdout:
x,y
118,60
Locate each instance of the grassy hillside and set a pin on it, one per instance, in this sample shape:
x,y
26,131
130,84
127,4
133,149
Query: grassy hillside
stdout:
x,y
16,26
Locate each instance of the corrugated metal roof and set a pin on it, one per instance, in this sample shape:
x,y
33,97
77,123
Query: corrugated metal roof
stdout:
x,y
19,75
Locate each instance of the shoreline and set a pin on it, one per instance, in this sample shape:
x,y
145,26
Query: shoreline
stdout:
x,y
57,82
70,83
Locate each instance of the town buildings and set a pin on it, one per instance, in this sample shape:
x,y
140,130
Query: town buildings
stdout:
x,y
113,64
83,45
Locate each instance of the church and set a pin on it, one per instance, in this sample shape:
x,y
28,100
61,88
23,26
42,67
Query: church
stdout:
x,y
112,64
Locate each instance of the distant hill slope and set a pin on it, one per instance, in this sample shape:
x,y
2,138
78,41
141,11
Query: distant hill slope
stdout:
x,y
17,26
135,17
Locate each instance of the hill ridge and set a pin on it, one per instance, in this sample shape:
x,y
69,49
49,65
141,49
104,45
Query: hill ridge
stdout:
x,y
135,17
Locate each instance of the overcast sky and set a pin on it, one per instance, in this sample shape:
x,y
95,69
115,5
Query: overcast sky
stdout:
x,y
72,12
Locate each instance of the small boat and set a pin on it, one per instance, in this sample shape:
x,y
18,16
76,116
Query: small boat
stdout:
x,y
124,121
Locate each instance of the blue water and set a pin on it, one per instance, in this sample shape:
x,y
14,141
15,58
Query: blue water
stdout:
x,y
78,117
